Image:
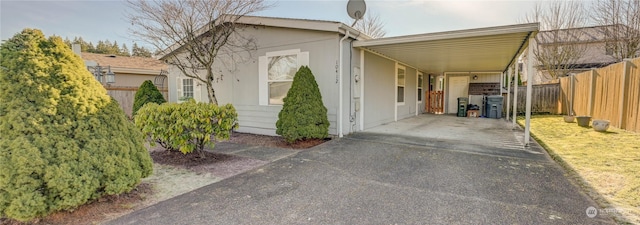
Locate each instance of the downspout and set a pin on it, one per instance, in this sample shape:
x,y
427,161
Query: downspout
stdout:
x,y
340,91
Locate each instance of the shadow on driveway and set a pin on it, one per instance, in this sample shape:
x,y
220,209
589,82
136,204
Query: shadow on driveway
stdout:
x,y
389,178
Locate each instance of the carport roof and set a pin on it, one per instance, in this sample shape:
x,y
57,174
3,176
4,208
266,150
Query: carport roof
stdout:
x,y
477,50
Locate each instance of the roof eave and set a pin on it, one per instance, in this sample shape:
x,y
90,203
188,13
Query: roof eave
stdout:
x,y
529,27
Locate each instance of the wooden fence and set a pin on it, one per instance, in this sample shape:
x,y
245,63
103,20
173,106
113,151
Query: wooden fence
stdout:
x,y
544,99
125,96
611,93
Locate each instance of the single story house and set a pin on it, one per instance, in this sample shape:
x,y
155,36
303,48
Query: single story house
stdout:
x,y
128,74
364,82
591,43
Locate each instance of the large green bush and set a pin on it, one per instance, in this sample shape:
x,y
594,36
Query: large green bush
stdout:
x,y
303,115
187,126
148,92
63,140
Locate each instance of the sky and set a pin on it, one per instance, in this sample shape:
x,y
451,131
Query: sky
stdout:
x,y
105,20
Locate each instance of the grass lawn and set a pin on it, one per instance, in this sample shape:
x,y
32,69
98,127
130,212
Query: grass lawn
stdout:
x,y
607,163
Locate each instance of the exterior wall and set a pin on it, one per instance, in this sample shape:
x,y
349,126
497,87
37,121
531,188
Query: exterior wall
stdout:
x,y
408,109
350,99
379,87
240,85
133,80
483,77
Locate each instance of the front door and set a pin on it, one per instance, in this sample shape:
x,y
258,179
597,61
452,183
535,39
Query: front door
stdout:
x,y
458,87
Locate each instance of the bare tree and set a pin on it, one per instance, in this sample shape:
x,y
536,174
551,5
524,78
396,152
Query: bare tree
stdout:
x,y
559,44
620,20
371,25
195,35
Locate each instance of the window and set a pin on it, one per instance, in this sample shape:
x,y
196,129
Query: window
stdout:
x,y
281,70
187,88
420,85
400,83
276,72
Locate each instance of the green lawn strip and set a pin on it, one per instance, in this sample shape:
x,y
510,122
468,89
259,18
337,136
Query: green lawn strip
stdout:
x,y
607,162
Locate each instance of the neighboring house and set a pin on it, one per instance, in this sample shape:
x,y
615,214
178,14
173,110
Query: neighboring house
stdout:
x,y
597,52
364,82
128,74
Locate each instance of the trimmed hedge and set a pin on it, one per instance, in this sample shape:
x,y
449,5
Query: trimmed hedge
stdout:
x,y
303,115
64,141
148,92
187,126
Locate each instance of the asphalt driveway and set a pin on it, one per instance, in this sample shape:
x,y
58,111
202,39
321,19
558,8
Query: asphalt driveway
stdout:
x,y
401,173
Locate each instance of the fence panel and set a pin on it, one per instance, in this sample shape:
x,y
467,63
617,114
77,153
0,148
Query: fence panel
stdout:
x,y
125,96
564,104
581,93
544,98
631,115
606,93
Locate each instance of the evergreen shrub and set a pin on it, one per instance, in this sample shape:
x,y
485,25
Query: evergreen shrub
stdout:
x,y
303,115
63,140
148,92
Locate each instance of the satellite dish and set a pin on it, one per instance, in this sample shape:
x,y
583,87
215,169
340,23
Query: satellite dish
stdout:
x,y
356,9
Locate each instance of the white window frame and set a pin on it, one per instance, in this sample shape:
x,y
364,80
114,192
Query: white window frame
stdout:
x,y
398,85
420,87
184,88
180,88
302,59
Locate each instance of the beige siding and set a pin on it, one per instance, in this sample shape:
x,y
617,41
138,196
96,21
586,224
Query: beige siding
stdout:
x,y
239,85
379,88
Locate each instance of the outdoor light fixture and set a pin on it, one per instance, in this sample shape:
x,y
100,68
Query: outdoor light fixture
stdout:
x,y
475,77
108,77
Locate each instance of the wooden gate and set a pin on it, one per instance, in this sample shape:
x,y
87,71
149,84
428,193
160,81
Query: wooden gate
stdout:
x,y
435,103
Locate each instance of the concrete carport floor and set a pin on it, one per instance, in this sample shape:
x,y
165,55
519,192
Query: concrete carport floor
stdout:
x,y
469,171
473,135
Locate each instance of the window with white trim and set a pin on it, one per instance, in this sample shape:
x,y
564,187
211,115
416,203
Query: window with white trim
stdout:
x,y
277,70
280,70
420,86
187,88
400,83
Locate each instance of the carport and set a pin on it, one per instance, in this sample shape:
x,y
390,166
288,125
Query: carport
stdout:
x,y
492,49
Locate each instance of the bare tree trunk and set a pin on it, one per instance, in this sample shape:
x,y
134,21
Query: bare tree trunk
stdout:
x,y
211,93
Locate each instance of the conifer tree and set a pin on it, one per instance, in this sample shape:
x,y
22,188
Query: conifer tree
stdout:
x,y
303,115
124,51
147,93
63,140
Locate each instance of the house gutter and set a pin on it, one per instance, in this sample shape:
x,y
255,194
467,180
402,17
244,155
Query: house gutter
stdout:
x,y
340,87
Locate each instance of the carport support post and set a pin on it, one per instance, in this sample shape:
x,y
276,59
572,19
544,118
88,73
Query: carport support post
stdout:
x,y
527,114
509,72
515,94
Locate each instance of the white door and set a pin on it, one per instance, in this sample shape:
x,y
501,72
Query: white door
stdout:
x,y
458,87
